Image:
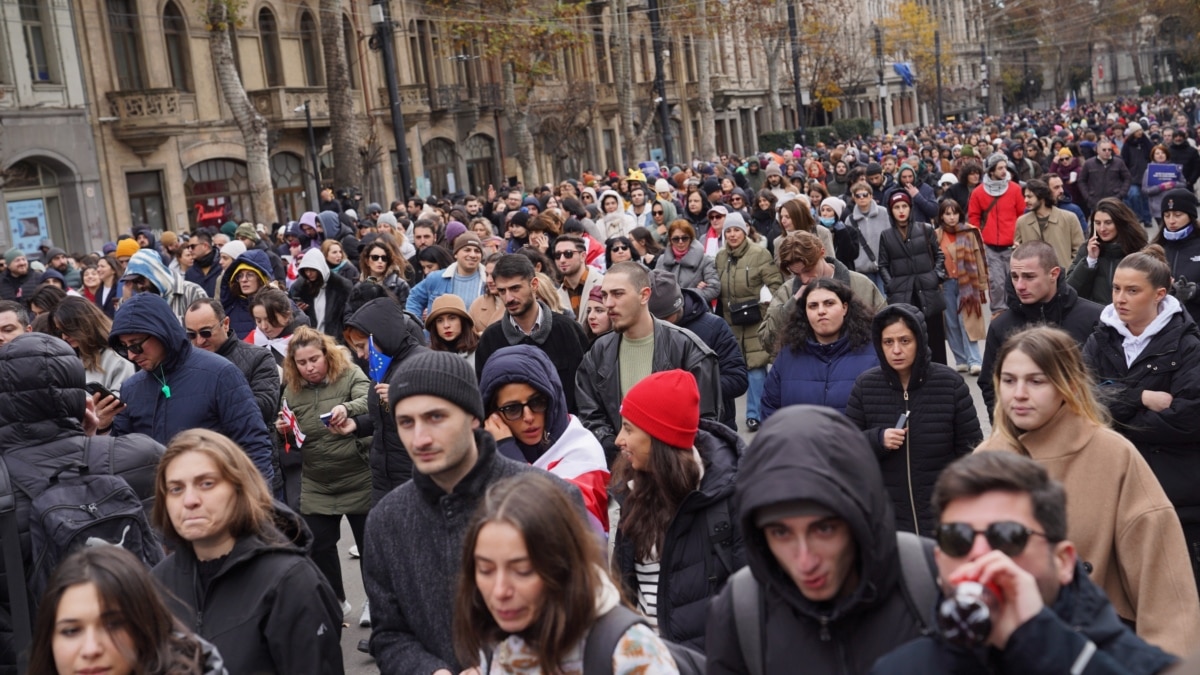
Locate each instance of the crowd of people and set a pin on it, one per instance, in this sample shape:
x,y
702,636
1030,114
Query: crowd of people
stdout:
x,y
525,404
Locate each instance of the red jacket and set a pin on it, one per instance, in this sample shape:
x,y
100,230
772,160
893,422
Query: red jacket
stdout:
x,y
1002,218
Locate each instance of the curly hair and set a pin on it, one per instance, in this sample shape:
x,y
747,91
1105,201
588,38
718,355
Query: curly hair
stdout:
x,y
856,326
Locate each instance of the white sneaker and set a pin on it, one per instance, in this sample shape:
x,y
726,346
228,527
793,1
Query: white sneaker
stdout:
x,y
345,608
353,552
364,619
976,369
962,367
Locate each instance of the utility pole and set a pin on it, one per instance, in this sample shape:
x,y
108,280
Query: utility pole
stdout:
x,y
882,86
660,84
382,41
1028,82
794,38
937,67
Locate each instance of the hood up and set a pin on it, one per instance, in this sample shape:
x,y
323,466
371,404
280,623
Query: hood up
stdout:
x,y
396,332
526,364
915,321
314,259
150,314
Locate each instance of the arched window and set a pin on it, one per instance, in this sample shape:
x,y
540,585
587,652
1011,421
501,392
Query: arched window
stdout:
x,y
268,36
351,40
310,43
175,33
127,44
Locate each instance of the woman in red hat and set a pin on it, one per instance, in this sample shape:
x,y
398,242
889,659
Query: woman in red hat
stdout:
x,y
674,479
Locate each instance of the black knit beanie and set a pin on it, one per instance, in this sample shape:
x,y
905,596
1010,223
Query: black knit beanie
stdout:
x,y
442,374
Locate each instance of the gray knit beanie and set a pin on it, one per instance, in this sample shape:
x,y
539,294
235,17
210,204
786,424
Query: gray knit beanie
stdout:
x,y
442,374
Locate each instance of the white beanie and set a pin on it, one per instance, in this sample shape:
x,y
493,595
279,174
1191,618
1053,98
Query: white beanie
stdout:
x,y
836,204
233,249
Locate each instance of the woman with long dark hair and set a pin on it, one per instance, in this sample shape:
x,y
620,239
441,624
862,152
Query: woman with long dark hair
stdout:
x,y
103,613
912,266
618,249
533,584
965,286
674,472
794,216
1114,233
110,284
825,346
646,248
379,262
84,326
764,218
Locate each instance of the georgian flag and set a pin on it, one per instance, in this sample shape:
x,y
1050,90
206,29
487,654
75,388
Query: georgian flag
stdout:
x,y
293,425
577,457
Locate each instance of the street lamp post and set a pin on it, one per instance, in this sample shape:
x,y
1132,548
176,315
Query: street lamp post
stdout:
x,y
793,34
882,86
381,18
660,84
315,198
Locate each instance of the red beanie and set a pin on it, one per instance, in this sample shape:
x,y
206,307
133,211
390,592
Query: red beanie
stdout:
x,y
666,406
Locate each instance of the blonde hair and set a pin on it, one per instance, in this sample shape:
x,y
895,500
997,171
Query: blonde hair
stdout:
x,y
336,361
1057,355
547,292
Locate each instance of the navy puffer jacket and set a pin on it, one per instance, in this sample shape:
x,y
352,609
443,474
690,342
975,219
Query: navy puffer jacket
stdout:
x,y
190,388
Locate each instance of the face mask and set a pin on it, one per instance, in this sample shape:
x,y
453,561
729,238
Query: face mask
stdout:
x,y
827,222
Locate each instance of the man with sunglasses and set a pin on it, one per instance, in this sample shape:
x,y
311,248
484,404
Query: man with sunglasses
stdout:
x,y
146,273
1003,522
578,279
207,328
206,263
179,386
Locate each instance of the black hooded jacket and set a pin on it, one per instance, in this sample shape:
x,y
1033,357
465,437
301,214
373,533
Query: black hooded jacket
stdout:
x,y
815,453
398,335
268,609
691,572
1066,310
1050,643
41,404
942,424
719,337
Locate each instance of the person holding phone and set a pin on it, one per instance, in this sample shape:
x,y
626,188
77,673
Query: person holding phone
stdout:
x,y
918,415
1115,233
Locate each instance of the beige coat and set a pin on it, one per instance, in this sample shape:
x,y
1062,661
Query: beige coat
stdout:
x,y
1062,232
1121,522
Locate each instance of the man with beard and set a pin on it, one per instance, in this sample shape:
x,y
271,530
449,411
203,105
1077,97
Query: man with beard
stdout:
x,y
1183,154
994,208
528,321
577,278
17,283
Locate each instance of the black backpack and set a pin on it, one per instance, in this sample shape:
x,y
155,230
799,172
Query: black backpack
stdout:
x,y
607,632
77,508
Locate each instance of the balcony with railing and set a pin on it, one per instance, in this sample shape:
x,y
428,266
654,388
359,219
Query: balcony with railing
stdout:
x,y
284,106
144,119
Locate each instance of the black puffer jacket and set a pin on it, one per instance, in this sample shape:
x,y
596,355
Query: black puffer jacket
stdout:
x,y
268,609
1066,310
691,572
1167,439
1183,256
42,401
942,424
398,335
1050,643
258,365
719,337
912,267
815,453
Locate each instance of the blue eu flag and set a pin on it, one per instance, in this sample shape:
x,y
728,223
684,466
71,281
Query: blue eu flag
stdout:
x,y
378,361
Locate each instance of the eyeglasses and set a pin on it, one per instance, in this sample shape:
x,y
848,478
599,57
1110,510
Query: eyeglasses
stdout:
x,y
379,258
513,411
680,240
619,248
194,245
245,274
1006,536
124,350
656,213
559,255
861,195
205,333
716,216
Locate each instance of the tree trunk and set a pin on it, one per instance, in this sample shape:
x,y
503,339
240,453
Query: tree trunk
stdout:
x,y
1135,55
774,103
252,125
622,56
518,120
343,125
708,122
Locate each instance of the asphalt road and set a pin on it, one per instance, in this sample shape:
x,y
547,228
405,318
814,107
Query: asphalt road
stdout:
x,y
358,663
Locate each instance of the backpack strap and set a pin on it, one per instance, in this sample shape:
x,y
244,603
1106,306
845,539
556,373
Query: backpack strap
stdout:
x,y
720,536
918,573
14,570
743,591
602,640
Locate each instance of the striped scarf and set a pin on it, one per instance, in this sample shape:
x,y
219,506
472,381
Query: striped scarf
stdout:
x,y
967,254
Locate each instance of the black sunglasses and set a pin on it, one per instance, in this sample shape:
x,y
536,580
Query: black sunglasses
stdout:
x,y
860,195
1006,536
680,240
559,255
513,411
205,333
124,350
620,247
379,258
657,212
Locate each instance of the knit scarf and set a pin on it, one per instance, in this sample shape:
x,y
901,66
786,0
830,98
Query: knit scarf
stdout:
x,y
995,187
966,256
